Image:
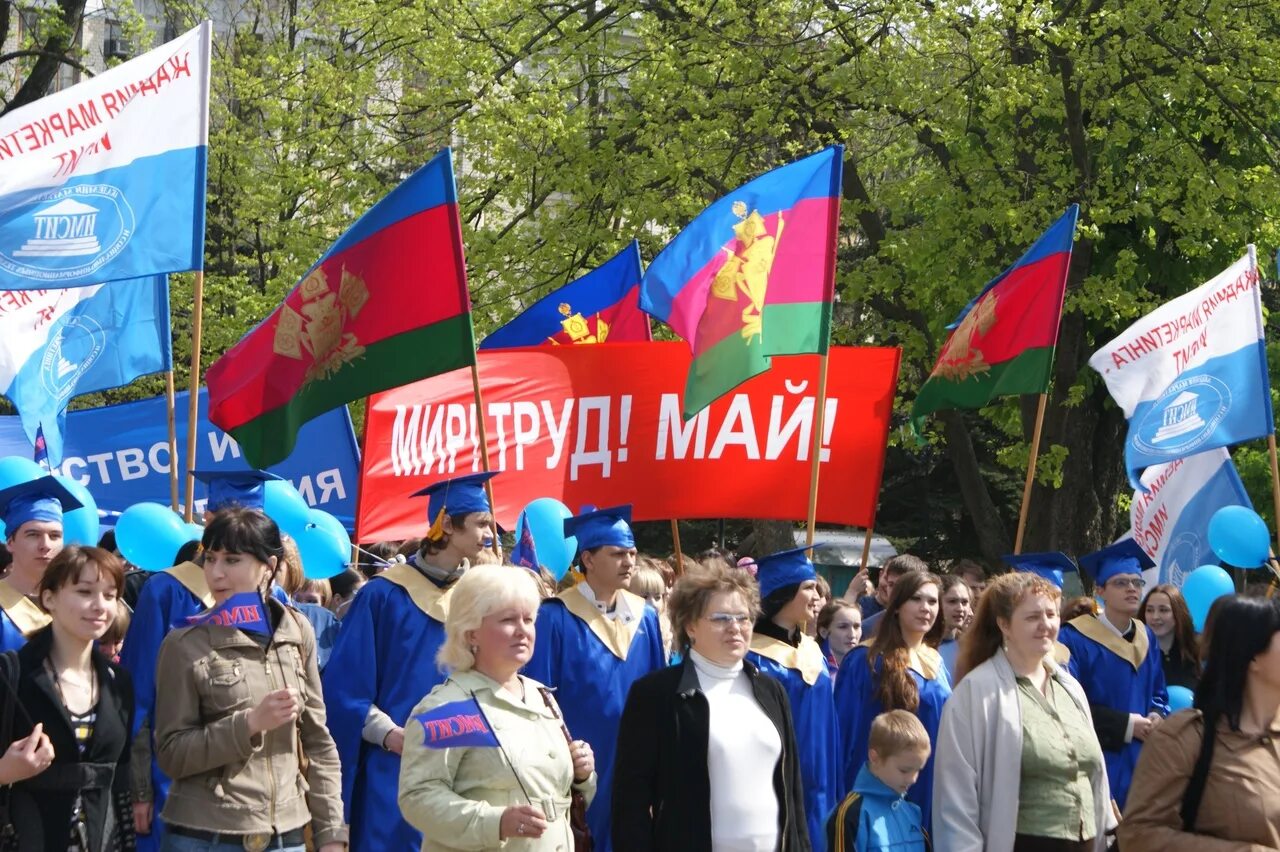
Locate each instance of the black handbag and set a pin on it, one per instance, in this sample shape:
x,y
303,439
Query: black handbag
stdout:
x,y
9,672
582,841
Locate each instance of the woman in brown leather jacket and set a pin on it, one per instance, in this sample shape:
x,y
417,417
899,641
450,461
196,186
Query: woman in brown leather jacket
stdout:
x,y
240,722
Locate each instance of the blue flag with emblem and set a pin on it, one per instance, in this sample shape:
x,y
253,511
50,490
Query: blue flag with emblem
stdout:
x,y
525,553
243,611
55,344
460,724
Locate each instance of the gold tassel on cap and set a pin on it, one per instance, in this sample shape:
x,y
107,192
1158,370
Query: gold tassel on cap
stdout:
x,y
436,533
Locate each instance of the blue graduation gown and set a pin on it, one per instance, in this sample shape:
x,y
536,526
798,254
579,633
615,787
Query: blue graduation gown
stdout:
x,y
1118,678
162,601
11,638
803,671
18,617
385,655
857,706
591,681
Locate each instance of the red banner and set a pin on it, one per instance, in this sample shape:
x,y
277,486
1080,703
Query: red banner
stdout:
x,y
602,425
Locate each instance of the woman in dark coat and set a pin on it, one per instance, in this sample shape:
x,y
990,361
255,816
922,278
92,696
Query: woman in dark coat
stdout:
x,y
84,703
707,753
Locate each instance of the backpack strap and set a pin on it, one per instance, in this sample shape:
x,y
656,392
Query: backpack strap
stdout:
x,y
1199,775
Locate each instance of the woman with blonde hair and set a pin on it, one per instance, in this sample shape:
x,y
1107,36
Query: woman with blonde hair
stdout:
x,y
647,582
517,796
1018,764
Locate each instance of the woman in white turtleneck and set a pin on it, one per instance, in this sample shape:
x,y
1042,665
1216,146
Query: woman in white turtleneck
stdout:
x,y
703,745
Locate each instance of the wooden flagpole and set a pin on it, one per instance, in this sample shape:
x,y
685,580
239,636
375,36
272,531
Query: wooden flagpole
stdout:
x,y
816,460
866,550
173,440
1031,472
193,404
675,538
1275,479
482,438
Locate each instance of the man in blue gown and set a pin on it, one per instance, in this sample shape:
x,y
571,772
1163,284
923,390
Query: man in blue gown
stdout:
x,y
781,648
1117,661
384,660
167,598
593,641
32,513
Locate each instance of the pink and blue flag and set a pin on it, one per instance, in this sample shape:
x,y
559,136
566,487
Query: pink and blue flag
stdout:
x,y
601,306
460,724
105,180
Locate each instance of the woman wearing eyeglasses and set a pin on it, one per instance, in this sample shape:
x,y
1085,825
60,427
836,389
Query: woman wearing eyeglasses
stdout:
x,y
707,755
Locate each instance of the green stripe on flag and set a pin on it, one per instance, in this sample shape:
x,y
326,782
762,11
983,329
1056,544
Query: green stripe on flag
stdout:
x,y
797,328
1027,373
394,361
720,369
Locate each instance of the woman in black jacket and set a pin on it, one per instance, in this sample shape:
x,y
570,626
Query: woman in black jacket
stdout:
x,y
84,703
702,744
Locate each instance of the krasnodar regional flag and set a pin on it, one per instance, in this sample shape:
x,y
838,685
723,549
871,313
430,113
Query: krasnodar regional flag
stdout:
x,y
1171,520
106,180
55,344
1191,375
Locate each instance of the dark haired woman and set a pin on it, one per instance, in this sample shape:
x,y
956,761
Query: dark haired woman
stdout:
x,y
241,702
1188,787
384,659
896,670
1165,611
84,704
781,648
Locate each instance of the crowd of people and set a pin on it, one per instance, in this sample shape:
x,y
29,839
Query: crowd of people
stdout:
x,y
432,697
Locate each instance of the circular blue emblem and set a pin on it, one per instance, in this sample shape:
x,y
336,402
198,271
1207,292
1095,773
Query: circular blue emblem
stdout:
x,y
66,234
1182,418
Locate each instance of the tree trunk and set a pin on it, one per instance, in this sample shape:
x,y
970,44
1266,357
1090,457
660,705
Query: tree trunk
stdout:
x,y
993,538
46,66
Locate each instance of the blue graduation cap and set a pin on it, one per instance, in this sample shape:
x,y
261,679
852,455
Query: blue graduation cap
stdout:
x,y
784,568
1050,565
600,527
43,499
243,488
1123,557
461,495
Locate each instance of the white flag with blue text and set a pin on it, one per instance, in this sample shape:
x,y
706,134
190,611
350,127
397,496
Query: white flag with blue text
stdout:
x,y
55,344
1192,375
1170,521
105,180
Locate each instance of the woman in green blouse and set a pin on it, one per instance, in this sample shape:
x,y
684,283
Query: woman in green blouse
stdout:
x,y
1017,721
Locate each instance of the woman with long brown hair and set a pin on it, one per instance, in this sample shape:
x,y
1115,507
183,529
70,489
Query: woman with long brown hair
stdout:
x,y
1165,611
897,669
1019,766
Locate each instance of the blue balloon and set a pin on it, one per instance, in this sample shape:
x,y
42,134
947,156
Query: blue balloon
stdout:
x,y
1239,536
283,504
149,535
324,546
79,526
1204,586
545,519
195,532
18,469
1180,698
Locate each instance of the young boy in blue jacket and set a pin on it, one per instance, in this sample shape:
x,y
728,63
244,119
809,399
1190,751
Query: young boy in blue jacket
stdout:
x,y
875,816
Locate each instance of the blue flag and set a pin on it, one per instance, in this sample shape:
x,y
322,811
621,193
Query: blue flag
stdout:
x,y
244,611
603,305
524,553
461,724
55,344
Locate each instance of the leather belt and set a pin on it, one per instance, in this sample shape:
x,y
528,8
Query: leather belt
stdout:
x,y
254,842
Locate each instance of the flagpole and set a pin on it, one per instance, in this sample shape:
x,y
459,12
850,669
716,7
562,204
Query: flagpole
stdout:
x,y
1031,472
675,538
1275,478
816,461
866,550
481,437
193,404
173,440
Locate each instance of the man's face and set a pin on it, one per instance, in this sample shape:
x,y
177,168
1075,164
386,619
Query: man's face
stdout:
x,y
473,536
1122,594
609,568
884,586
976,583
35,544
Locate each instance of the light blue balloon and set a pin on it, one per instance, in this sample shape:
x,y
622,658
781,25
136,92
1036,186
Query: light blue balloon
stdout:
x,y
1204,586
149,535
545,518
195,532
1239,536
1180,698
18,469
283,504
324,545
79,526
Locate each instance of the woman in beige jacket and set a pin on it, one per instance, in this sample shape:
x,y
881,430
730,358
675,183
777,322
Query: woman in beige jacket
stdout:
x,y
517,795
241,700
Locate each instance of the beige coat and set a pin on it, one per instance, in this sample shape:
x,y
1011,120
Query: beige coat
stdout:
x,y
456,797
224,779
